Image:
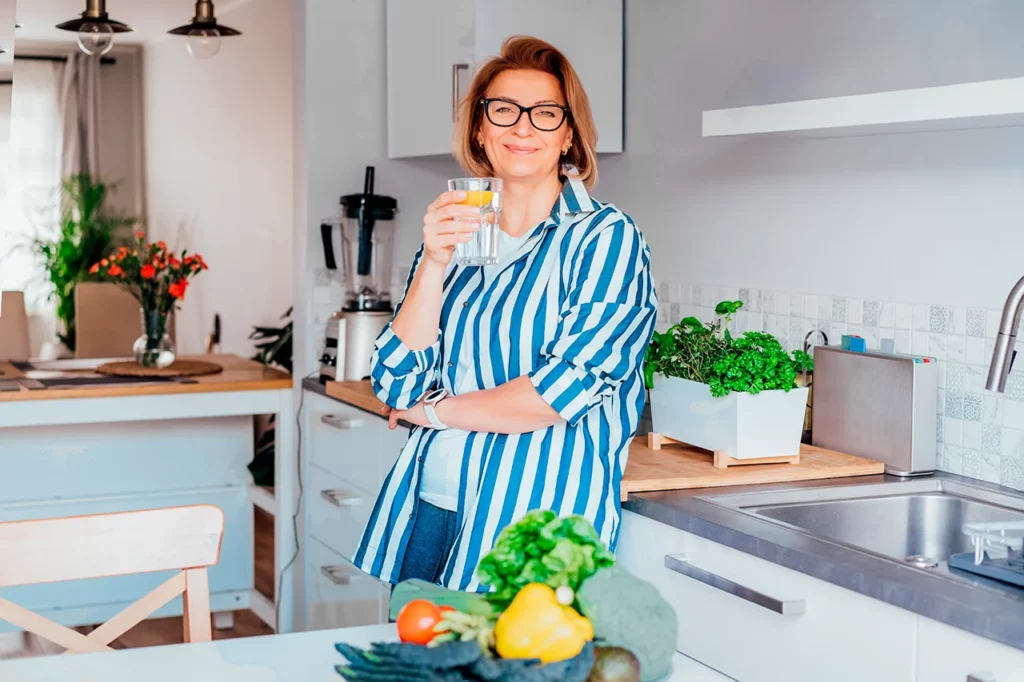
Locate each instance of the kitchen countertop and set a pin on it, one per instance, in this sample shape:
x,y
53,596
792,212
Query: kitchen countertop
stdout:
x,y
986,608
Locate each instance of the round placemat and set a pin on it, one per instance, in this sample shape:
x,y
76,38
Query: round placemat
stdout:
x,y
179,368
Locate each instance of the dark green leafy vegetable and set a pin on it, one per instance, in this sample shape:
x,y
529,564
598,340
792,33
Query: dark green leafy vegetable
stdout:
x,y
630,613
541,548
757,362
689,349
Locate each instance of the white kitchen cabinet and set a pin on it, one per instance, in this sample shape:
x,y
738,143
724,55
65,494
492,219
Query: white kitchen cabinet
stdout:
x,y
829,633
946,654
424,84
340,595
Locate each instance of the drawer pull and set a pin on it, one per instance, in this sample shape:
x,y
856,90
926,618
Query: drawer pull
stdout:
x,y
680,564
339,575
981,677
340,497
341,423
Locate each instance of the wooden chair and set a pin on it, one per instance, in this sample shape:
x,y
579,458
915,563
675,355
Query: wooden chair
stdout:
x,y
107,321
122,543
14,344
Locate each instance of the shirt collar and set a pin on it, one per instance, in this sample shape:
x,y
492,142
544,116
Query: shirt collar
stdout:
x,y
574,199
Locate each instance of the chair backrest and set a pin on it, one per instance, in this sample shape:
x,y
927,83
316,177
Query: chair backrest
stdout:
x,y
14,343
107,321
187,539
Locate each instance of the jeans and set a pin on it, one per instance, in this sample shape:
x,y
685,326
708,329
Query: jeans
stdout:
x,y
431,541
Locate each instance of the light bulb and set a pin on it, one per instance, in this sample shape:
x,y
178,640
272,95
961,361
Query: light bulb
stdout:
x,y
203,42
95,39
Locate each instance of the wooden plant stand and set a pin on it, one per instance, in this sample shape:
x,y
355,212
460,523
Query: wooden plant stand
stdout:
x,y
721,459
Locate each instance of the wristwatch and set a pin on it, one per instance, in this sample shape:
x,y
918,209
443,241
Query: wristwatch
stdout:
x,y
432,399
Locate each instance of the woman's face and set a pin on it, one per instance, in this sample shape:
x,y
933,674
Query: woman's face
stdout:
x,y
522,152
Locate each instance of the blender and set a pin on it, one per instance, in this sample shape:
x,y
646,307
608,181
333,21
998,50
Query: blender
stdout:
x,y
362,239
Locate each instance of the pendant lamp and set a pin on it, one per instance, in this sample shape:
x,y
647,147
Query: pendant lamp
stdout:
x,y
95,28
203,32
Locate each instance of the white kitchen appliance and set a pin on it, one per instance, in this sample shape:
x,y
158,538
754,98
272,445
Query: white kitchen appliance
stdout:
x,y
361,240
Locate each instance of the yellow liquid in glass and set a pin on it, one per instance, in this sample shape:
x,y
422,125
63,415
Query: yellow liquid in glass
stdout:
x,y
477,197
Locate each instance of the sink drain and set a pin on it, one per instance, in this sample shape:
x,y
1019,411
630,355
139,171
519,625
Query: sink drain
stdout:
x,y
920,561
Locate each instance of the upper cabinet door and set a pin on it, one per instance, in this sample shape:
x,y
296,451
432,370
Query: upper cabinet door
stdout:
x,y
429,55
434,48
588,32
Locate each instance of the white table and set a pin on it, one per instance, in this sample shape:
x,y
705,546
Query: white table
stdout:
x,y
298,657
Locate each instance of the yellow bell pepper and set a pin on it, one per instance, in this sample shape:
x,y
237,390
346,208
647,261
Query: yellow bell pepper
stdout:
x,y
537,625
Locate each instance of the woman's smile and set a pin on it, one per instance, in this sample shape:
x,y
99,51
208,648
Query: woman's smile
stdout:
x,y
520,150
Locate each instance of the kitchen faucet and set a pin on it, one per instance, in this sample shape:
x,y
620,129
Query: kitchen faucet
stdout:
x,y
1002,356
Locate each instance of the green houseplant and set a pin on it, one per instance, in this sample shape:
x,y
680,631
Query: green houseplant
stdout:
x,y
738,394
87,232
274,347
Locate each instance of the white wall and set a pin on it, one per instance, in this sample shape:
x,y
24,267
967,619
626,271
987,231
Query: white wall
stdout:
x,y
934,217
341,122
219,170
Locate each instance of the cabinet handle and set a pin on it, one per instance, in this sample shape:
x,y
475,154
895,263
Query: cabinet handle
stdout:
x,y
981,677
340,497
680,564
341,423
456,68
339,575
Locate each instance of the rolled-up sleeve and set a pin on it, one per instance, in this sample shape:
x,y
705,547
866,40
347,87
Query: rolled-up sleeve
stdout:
x,y
401,376
605,324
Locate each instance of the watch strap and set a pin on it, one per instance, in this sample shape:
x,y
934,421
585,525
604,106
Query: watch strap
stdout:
x,y
428,409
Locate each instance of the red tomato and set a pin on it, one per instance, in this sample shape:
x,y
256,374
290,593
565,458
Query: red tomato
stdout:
x,y
445,608
416,621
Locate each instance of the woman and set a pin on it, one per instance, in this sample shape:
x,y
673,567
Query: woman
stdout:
x,y
523,379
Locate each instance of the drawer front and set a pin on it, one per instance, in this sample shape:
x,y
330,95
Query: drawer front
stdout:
x,y
946,654
840,635
341,595
234,571
146,456
347,443
338,511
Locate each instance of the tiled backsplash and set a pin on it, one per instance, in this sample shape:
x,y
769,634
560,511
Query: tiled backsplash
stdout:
x,y
980,434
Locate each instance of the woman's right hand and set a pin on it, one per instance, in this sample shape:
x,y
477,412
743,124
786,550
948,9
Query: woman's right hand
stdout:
x,y
441,232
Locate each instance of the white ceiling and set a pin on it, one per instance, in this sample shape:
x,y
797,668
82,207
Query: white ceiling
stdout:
x,y
150,19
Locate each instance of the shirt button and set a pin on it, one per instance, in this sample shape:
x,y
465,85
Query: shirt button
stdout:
x,y
420,458
450,363
465,304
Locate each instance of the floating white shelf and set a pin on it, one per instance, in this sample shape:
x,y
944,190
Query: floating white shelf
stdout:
x,y
986,104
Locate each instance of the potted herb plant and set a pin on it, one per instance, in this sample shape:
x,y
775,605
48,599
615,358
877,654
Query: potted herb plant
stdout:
x,y
737,395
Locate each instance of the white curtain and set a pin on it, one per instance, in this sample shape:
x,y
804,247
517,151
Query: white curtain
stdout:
x,y
34,164
80,114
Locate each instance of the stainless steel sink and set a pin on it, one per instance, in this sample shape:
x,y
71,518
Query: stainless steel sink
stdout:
x,y
919,522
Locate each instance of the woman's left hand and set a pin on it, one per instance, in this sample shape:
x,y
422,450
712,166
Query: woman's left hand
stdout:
x,y
414,415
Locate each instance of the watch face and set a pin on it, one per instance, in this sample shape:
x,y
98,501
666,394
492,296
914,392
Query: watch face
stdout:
x,y
434,395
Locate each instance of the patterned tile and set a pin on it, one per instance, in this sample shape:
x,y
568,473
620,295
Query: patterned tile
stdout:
x,y
921,318
972,407
1015,385
872,313
840,309
939,431
992,438
768,302
904,316
955,374
975,322
992,318
956,348
937,346
1011,473
855,314
940,401
938,319
954,404
971,464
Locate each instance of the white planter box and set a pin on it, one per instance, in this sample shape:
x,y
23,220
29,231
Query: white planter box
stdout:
x,y
742,425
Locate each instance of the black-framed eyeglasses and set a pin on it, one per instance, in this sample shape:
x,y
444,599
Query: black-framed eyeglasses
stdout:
x,y
505,114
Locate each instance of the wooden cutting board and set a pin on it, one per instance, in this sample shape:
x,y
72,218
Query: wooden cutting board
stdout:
x,y
677,467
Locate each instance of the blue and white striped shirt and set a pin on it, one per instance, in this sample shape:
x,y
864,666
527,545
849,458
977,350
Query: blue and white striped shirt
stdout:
x,y
574,311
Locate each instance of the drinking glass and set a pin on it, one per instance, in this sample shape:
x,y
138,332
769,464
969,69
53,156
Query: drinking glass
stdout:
x,y
485,194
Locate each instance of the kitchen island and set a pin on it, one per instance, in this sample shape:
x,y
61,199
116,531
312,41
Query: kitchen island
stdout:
x,y
71,448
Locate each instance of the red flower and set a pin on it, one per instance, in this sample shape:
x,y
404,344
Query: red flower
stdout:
x,y
104,263
162,245
122,252
94,269
147,271
115,270
173,262
139,235
177,290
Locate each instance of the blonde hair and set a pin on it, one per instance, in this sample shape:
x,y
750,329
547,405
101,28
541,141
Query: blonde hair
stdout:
x,y
525,52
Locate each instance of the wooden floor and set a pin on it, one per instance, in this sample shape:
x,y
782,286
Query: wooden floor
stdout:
x,y
160,631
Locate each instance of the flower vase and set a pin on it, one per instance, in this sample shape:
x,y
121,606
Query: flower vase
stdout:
x,y
154,348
